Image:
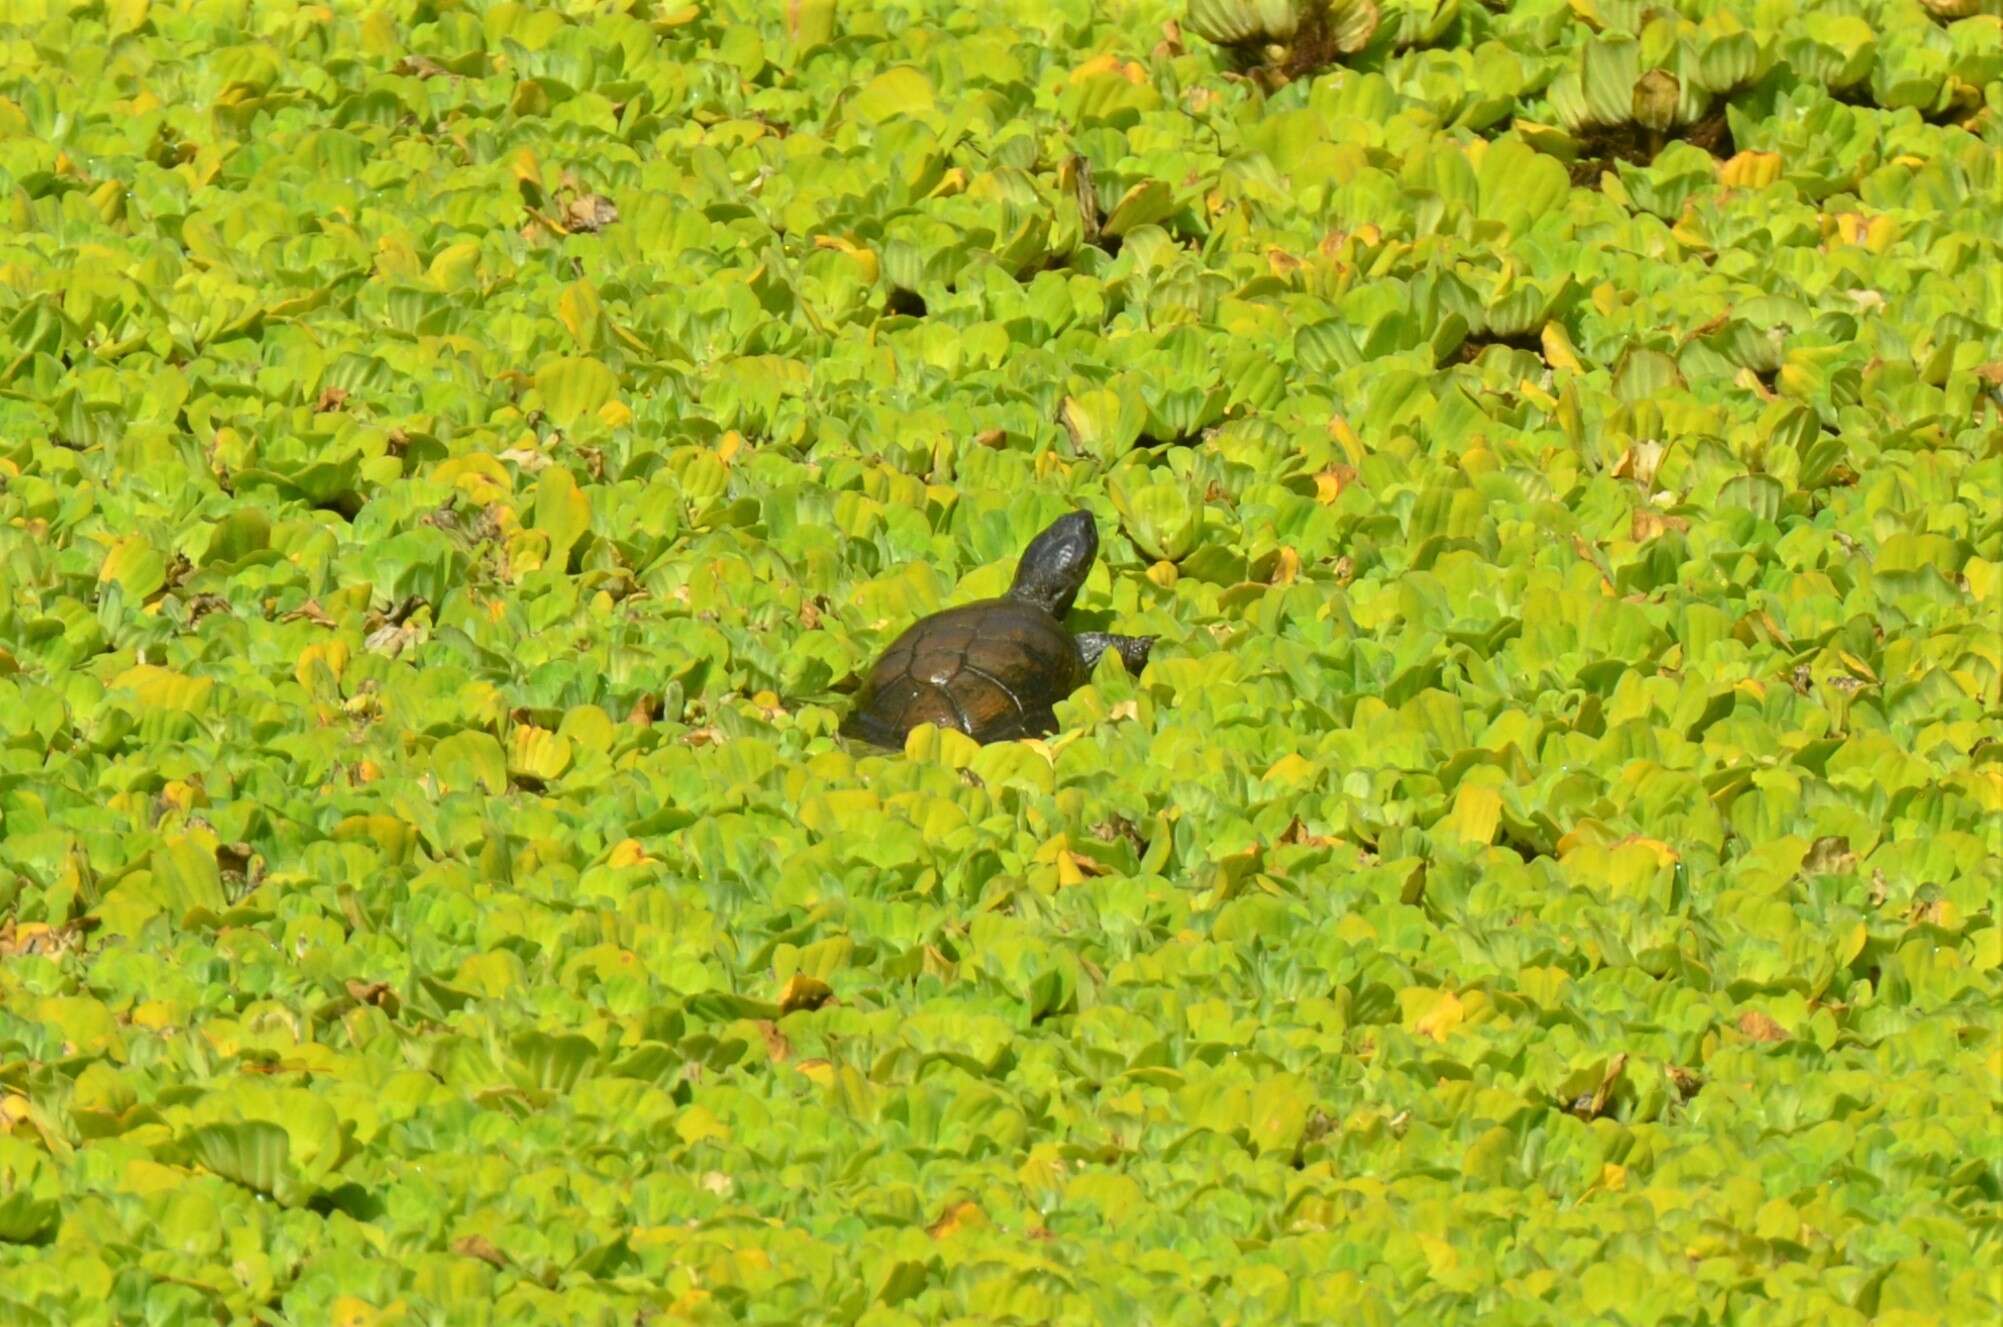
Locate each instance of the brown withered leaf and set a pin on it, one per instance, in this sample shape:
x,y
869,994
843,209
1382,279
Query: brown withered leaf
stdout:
x,y
1830,855
1298,833
1930,912
956,1217
390,639
1761,1028
479,1246
34,938
528,459
202,605
331,398
419,66
590,213
1330,482
1646,525
777,1048
377,993
311,612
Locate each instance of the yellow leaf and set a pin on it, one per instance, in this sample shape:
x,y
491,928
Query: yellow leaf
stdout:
x,y
327,657
154,1015
1431,1013
959,1216
1292,770
1558,351
527,170
1344,435
1750,170
1688,233
951,183
863,257
697,1123
134,565
1986,786
1982,577
348,1311
482,478
538,752
1663,854
1098,67
108,201
803,992
1477,811
628,852
1441,1257
181,795
1611,1179
579,310
164,689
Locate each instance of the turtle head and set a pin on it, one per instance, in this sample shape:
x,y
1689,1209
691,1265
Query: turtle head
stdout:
x,y
1053,567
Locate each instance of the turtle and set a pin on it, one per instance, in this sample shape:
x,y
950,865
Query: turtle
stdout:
x,y
994,669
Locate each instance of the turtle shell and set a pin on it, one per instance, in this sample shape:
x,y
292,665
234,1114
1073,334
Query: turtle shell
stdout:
x,y
992,669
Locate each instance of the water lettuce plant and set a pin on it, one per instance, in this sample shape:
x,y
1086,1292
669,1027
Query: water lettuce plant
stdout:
x,y
456,458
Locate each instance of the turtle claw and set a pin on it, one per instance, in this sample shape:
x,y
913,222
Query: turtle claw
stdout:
x,y
1133,650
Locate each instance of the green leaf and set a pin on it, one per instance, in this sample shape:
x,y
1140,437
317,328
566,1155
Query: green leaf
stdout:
x,y
136,566
899,91
186,876
1142,205
470,760
1160,515
563,512
253,1153
572,388
244,531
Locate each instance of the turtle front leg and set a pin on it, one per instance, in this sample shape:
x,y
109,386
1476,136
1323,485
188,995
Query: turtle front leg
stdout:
x,y
1133,650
